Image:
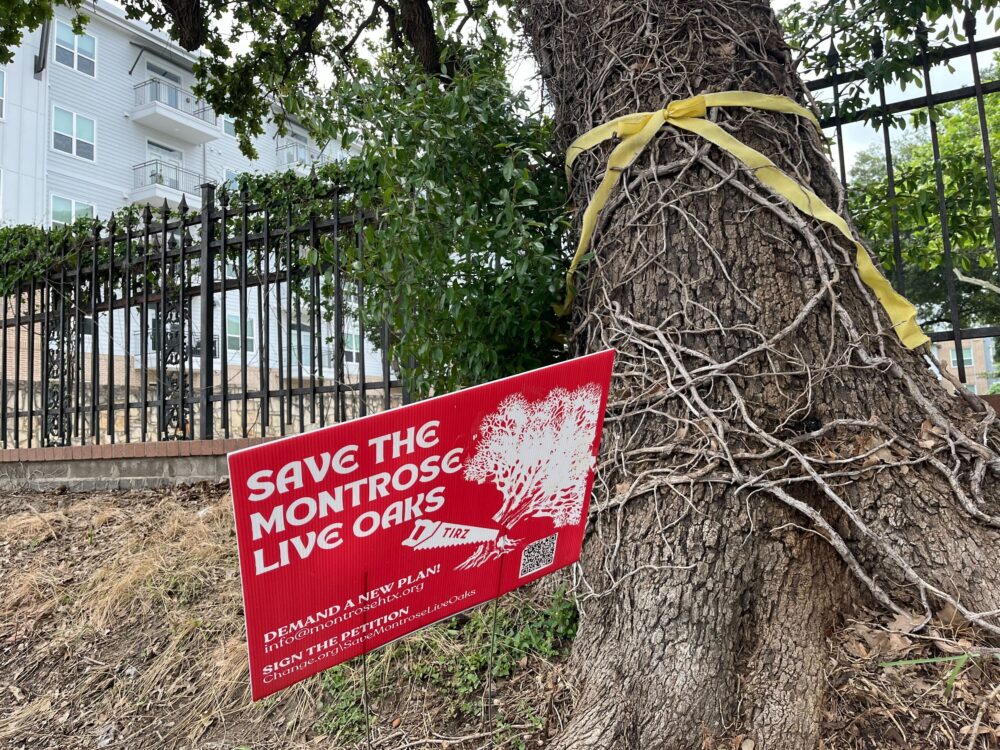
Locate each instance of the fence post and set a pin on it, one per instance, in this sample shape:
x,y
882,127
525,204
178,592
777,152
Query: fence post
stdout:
x,y
207,271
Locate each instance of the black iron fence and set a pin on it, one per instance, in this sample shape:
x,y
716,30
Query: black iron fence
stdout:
x,y
229,321
967,337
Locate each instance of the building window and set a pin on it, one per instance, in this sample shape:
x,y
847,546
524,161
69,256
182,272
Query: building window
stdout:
x,y
165,165
296,149
3,92
967,358
300,332
214,354
352,349
154,333
970,387
76,50
229,125
73,133
66,211
233,334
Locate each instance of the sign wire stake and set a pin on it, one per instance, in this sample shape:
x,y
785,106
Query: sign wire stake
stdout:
x,y
364,678
490,718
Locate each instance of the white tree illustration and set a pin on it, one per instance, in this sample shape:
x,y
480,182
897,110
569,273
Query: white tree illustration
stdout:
x,y
539,456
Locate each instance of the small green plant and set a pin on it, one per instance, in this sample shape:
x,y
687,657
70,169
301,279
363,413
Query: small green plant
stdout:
x,y
452,660
958,664
342,713
523,633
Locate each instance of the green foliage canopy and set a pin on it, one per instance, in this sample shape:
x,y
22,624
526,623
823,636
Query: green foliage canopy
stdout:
x,y
469,247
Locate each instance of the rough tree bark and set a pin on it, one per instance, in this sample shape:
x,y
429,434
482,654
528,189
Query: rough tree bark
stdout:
x,y
773,454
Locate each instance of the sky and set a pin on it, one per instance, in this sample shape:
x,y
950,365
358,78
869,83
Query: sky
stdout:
x,y
858,137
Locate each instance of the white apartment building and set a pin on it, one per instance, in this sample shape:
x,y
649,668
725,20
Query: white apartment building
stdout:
x,y
93,122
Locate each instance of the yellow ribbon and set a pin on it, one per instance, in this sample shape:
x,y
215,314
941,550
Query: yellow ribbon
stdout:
x,y
637,130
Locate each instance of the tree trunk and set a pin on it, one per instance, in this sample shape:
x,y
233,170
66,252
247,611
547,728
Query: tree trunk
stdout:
x,y
772,454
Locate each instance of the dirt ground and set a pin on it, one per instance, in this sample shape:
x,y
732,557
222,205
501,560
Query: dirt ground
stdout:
x,y
121,627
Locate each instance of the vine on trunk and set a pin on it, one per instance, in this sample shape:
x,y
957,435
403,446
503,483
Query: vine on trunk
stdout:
x,y
758,377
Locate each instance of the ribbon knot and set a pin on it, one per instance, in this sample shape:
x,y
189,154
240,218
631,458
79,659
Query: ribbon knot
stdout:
x,y
638,129
693,107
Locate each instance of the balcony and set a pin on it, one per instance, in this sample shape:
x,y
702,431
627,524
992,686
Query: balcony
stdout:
x,y
300,156
156,181
166,108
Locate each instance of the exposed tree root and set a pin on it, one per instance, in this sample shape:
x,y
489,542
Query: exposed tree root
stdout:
x,y
762,407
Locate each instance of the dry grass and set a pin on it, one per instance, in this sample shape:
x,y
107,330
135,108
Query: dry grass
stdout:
x,y
121,627
879,698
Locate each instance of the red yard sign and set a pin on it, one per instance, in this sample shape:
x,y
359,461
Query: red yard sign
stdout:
x,y
354,535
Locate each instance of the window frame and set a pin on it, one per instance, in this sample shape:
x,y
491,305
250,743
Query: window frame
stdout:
x,y
352,354
73,210
75,51
3,93
968,362
249,343
73,153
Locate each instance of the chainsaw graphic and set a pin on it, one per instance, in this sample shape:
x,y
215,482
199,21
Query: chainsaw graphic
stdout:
x,y
436,534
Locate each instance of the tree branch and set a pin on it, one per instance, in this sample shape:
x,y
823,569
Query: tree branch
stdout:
x,y
977,282
393,22
471,11
372,18
417,25
307,26
189,21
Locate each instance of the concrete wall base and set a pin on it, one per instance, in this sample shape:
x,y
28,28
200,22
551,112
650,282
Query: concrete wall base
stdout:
x,y
112,474
117,467
131,465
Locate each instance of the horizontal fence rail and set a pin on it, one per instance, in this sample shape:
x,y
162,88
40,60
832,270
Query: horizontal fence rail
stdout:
x,y
228,322
958,332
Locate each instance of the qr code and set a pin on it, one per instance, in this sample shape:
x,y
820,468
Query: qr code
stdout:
x,y
538,555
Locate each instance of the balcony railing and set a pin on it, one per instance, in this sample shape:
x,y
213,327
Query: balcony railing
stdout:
x,y
171,95
157,172
296,154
